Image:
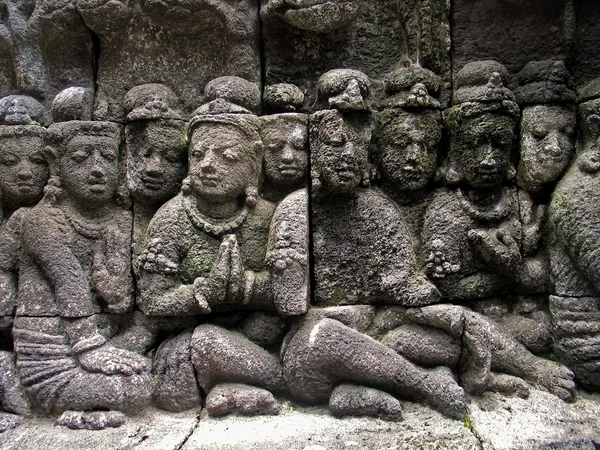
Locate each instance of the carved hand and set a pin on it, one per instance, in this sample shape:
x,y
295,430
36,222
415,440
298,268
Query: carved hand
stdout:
x,y
497,248
113,361
110,272
212,290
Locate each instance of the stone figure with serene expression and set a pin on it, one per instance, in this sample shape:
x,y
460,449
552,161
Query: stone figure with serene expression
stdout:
x,y
406,140
573,249
285,138
363,256
206,252
75,263
156,154
23,175
471,233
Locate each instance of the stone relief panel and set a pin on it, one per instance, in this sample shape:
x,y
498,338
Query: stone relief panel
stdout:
x,y
221,218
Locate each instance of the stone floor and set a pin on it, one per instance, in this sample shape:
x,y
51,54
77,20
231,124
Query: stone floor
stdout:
x,y
494,422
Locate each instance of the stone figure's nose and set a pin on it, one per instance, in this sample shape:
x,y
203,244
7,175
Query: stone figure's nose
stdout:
x,y
25,172
287,155
488,158
552,144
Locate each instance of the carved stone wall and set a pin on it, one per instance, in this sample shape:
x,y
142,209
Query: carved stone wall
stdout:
x,y
225,203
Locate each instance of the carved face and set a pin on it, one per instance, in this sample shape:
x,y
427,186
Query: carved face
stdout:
x,y
319,16
23,170
156,161
221,164
547,141
340,157
89,169
408,150
286,153
482,150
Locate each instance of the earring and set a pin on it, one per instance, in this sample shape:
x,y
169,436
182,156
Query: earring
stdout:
x,y
251,196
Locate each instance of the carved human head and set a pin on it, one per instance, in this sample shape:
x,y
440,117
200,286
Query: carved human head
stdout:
x,y
339,151
84,160
156,152
481,127
225,156
318,16
285,139
408,129
547,123
23,168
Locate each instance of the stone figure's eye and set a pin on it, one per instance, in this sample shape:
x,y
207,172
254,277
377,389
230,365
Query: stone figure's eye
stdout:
x,y
274,147
568,130
37,158
8,160
108,154
538,133
231,155
173,157
79,156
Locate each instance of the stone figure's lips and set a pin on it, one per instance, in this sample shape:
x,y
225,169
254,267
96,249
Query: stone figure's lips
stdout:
x,y
209,181
289,170
25,187
152,183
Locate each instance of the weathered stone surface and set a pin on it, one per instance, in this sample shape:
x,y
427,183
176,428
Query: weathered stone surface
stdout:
x,y
371,37
351,400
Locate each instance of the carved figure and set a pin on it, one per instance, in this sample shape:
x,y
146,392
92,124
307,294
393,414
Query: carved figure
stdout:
x,y
362,255
156,154
75,263
406,140
471,233
23,175
573,248
206,252
471,236
285,161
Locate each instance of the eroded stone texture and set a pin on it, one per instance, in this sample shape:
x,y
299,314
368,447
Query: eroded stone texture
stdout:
x,y
406,142
180,42
74,263
573,252
373,37
44,47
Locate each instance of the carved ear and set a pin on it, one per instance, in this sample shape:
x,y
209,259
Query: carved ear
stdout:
x,y
593,123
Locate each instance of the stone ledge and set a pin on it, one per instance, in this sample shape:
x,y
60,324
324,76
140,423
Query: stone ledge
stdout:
x,y
540,422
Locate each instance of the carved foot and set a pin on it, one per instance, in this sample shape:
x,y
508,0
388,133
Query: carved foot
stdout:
x,y
444,393
241,399
507,384
556,379
352,400
92,420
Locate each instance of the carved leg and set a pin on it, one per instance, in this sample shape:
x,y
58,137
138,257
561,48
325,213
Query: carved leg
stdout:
x,y
324,353
222,356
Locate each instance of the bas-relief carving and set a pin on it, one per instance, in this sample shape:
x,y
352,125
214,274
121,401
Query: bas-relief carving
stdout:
x,y
572,245
374,37
186,43
430,262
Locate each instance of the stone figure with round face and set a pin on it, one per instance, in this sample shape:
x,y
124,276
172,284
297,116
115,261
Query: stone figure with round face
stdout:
x,y
285,161
206,251
547,144
407,135
23,169
75,263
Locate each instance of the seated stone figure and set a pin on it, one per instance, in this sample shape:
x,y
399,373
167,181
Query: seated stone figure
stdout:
x,y
363,256
471,236
406,139
75,263
23,175
206,252
573,249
